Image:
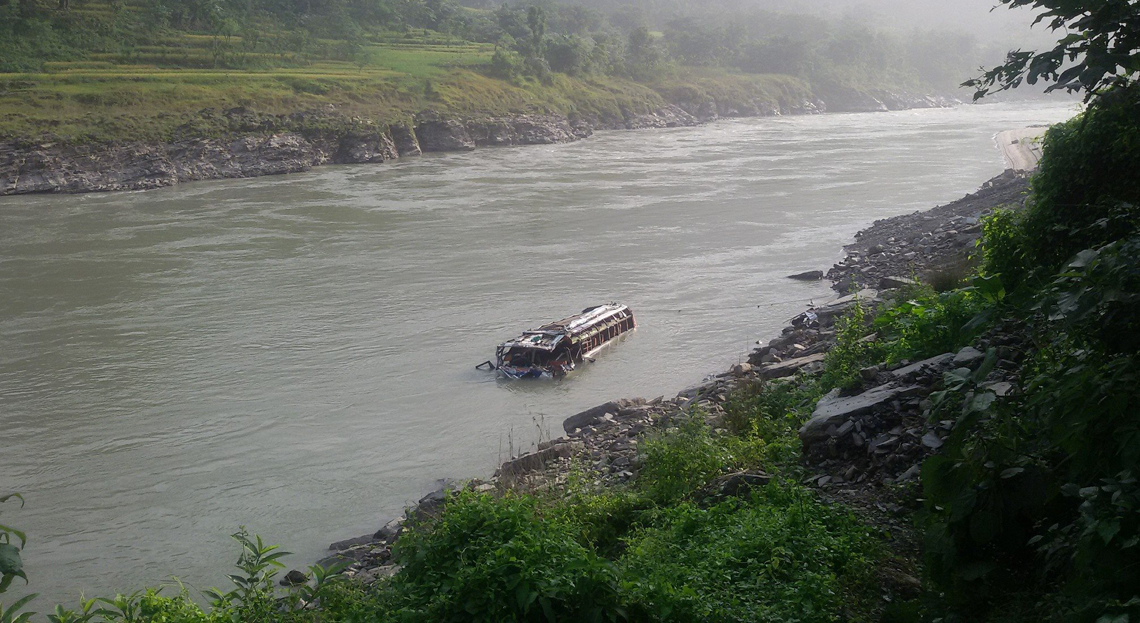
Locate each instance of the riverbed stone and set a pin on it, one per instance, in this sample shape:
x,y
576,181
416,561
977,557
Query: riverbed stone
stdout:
x,y
968,356
833,409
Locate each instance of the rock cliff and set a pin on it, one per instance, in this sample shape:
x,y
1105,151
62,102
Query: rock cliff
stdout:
x,y
272,144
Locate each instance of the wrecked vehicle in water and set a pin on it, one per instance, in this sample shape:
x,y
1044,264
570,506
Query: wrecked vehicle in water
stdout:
x,y
553,350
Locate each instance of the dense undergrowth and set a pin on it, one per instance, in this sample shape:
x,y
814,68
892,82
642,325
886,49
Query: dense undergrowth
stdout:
x,y
1032,508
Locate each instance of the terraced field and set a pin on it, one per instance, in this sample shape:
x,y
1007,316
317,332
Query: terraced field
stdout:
x,y
171,86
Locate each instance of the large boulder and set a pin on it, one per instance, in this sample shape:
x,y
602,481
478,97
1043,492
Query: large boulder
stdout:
x,y
833,410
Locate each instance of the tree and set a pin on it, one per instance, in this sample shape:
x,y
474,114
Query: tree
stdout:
x,y
1101,49
536,22
645,57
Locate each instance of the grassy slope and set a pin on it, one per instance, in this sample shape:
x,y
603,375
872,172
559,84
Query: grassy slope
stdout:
x,y
156,92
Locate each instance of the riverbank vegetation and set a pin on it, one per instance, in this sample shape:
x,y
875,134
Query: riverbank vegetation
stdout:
x,y
100,71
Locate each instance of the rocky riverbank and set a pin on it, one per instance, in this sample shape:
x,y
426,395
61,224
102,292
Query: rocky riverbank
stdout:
x,y
859,446
253,144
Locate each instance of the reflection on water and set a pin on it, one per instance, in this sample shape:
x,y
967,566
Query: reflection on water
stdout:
x,y
297,353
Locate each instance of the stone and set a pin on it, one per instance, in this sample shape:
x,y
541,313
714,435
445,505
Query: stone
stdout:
x,y
443,135
386,571
890,283
968,356
833,409
910,473
934,364
811,275
789,367
1002,388
742,482
535,461
388,533
589,416
347,543
742,369
294,578
869,373
932,440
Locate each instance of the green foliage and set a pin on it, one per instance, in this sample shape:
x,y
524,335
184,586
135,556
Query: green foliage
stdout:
x,y
851,351
12,614
680,461
1098,49
11,566
922,323
489,559
253,588
1045,480
770,414
779,556
1085,194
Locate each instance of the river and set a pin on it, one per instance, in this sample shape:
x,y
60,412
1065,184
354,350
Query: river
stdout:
x,y
296,354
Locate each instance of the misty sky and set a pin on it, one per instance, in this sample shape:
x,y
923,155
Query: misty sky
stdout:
x,y
1003,25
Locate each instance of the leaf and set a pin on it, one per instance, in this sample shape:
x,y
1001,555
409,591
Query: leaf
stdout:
x,y
1108,529
980,403
1084,258
990,287
976,570
1011,472
987,366
20,535
10,563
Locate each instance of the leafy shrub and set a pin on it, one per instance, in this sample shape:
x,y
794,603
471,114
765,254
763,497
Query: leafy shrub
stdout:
x,y
1084,193
850,353
779,556
770,414
926,323
494,560
1002,245
678,462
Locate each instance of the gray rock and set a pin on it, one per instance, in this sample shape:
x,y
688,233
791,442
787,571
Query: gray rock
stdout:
x,y
932,440
294,578
1002,388
811,275
536,460
740,483
443,135
390,531
869,373
933,364
968,356
834,410
888,283
910,473
789,367
589,416
347,543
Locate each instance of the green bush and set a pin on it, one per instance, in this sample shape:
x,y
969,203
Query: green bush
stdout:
x,y
676,463
493,560
850,353
769,415
1085,193
779,556
922,323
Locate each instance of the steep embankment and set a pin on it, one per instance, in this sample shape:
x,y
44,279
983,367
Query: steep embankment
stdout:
x,y
131,136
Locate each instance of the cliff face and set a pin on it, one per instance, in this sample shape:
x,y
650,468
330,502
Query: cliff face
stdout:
x,y
260,145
